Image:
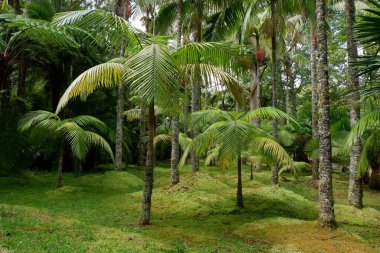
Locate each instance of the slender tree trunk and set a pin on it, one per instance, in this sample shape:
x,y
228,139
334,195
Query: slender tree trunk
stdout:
x,y
5,73
185,111
16,6
251,177
118,9
239,193
355,192
326,197
274,81
196,91
142,127
175,120
175,152
292,95
255,102
314,100
148,178
119,128
21,80
60,166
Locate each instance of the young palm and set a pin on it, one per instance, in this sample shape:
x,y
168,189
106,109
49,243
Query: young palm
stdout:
x,y
78,132
231,133
367,129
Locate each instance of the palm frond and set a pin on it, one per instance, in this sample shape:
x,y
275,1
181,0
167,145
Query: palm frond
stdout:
x,y
101,76
368,122
93,139
213,76
161,138
155,76
35,118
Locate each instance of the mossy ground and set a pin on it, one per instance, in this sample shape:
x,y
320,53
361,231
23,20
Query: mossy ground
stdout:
x,y
100,212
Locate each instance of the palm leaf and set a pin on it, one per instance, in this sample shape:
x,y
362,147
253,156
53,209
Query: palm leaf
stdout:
x,y
101,76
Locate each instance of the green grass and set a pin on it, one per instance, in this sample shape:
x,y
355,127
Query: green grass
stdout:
x,y
100,213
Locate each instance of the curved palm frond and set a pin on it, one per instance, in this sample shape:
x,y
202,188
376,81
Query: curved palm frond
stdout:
x,y
94,139
270,113
101,76
368,122
90,121
155,76
113,31
273,149
219,54
76,136
161,138
216,77
38,118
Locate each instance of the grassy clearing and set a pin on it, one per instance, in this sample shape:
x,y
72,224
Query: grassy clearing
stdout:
x,y
100,212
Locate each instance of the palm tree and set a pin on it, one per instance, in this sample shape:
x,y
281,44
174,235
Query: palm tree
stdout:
x,y
118,10
153,75
355,192
367,129
326,198
175,120
231,134
78,132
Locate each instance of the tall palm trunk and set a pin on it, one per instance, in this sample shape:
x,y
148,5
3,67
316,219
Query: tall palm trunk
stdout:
x,y
148,177
314,99
254,102
175,120
355,192
255,92
326,198
120,97
119,127
239,193
175,152
142,128
60,165
274,81
196,91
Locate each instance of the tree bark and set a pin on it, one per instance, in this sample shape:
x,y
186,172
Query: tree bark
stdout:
x,y
118,9
355,191
239,193
254,102
314,99
196,91
60,166
119,127
326,198
274,81
175,120
148,177
142,127
175,152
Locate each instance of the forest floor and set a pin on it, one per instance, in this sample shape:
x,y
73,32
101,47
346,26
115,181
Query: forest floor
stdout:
x,y
99,212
